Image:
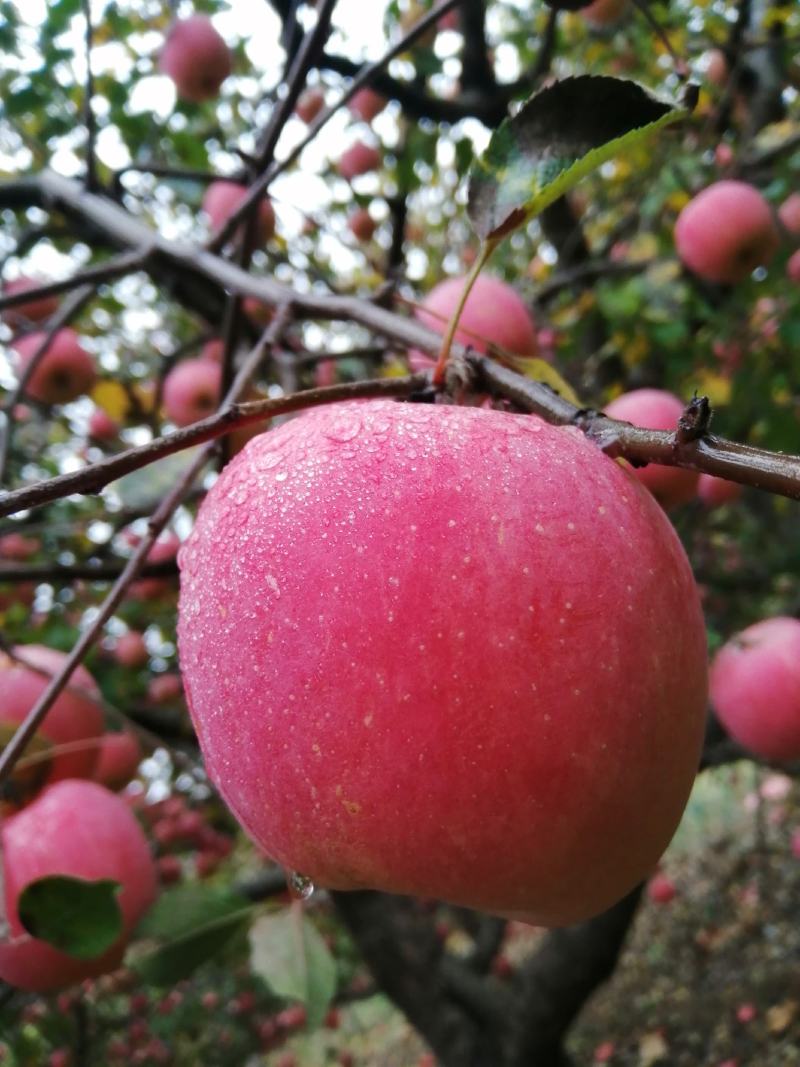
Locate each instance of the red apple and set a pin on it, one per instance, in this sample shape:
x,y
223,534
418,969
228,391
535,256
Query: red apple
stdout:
x,y
714,492
361,224
493,313
309,104
130,649
65,372
506,714
165,548
359,158
164,687
793,266
192,391
75,828
366,104
717,69
221,200
119,759
725,232
36,310
213,350
755,688
75,719
101,426
661,889
789,213
18,547
604,13
656,409
197,59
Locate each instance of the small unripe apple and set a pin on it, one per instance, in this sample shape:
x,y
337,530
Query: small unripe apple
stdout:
x,y
36,310
361,224
221,200
493,313
197,59
656,409
309,104
755,688
604,13
192,391
366,104
714,492
75,719
65,372
789,213
359,158
507,714
130,649
80,829
101,426
119,759
725,232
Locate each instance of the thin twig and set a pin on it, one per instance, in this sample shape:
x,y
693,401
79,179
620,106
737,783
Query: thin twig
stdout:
x,y
103,272
89,117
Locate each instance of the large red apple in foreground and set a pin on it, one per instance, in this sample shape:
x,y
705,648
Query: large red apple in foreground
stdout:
x,y
755,688
65,372
448,652
725,232
197,59
79,829
656,409
75,719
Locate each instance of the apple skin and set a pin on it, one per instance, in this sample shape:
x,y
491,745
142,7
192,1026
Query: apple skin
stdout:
x,y
75,716
789,214
717,68
725,232
165,548
37,310
793,266
714,492
359,158
65,372
493,312
362,225
101,426
656,409
755,688
197,59
366,104
80,829
130,649
605,13
221,200
661,889
192,391
507,714
118,760
18,547
309,104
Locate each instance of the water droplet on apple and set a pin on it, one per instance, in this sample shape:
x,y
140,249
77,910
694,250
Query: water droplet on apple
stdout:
x,y
300,885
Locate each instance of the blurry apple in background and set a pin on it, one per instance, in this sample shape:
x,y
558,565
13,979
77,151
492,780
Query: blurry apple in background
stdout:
x,y
755,688
82,830
118,760
789,214
661,889
725,232
366,104
793,266
164,549
163,688
221,200
65,372
34,310
603,14
717,71
359,158
102,427
361,224
714,492
192,391
213,350
18,547
656,409
309,104
197,59
131,650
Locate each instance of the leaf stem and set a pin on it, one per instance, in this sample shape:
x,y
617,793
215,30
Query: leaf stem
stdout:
x,y
487,248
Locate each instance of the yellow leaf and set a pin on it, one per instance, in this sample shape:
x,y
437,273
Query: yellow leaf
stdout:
x,y
540,371
112,398
716,387
781,1016
652,1049
677,200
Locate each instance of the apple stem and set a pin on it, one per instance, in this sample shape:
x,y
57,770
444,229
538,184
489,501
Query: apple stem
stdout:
x,y
487,248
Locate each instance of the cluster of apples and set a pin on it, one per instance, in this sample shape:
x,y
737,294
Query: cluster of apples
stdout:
x,y
184,838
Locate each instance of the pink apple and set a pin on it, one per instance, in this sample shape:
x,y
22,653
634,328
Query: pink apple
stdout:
x,y
130,649
789,213
468,718
79,829
366,104
755,688
164,687
655,409
65,372
361,224
197,59
222,199
165,548
192,391
661,889
119,759
309,104
723,155
714,492
493,313
793,266
36,310
260,313
101,426
717,68
725,232
213,350
359,158
75,719
18,547
604,13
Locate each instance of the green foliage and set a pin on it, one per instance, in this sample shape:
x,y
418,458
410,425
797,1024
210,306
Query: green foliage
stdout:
x,y
78,917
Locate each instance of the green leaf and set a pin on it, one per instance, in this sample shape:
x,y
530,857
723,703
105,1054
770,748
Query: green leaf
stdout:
x,y
195,922
78,917
556,138
288,952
